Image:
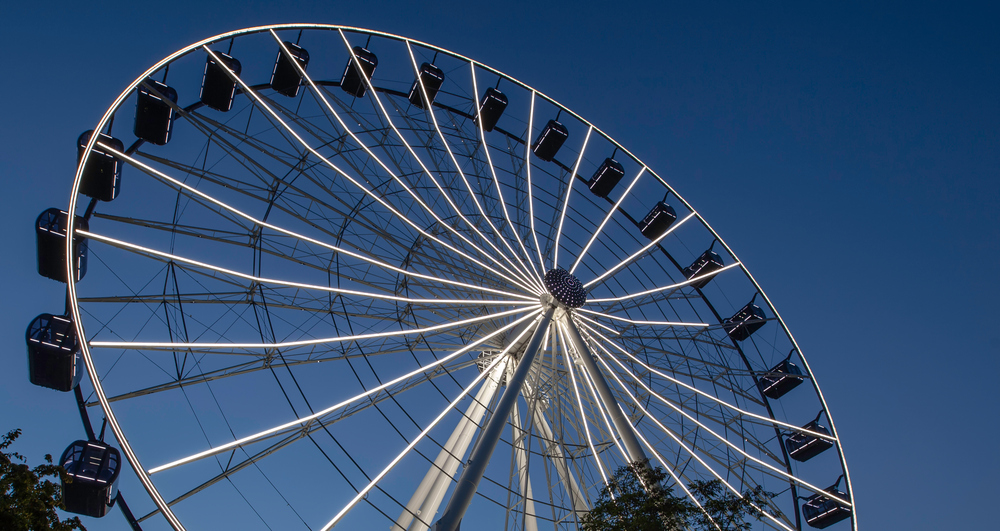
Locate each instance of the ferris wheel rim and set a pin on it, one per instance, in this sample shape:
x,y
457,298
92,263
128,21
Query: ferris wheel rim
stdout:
x,y
74,304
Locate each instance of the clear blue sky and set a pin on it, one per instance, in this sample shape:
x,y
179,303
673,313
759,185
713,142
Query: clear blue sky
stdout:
x,y
849,153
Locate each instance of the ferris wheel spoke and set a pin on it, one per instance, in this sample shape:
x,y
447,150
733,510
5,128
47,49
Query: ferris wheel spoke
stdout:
x,y
302,421
569,190
711,373
678,439
765,467
318,92
677,479
420,201
647,323
184,261
680,442
668,289
607,218
527,168
172,346
638,254
761,418
452,405
340,250
273,114
496,181
583,416
519,267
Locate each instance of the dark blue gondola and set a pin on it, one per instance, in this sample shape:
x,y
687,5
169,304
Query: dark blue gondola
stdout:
x,y
217,88
491,108
285,78
657,221
606,177
50,243
53,353
803,446
708,262
550,140
781,379
101,177
744,322
432,78
352,81
821,511
154,116
92,468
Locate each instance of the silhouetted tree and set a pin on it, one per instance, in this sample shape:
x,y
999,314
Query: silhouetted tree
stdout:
x,y
28,501
637,499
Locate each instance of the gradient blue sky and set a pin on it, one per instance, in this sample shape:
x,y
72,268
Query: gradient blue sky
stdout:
x,y
848,152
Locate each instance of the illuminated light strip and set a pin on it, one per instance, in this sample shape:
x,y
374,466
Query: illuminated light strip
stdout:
x,y
300,421
606,219
766,420
640,252
665,288
527,166
430,211
364,492
607,422
676,479
569,189
493,171
583,416
723,439
160,175
523,270
260,102
527,300
669,433
651,323
597,323
301,343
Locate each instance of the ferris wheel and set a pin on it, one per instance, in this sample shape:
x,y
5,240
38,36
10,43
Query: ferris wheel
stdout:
x,y
324,276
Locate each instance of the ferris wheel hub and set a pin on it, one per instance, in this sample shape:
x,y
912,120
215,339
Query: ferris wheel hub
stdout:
x,y
565,288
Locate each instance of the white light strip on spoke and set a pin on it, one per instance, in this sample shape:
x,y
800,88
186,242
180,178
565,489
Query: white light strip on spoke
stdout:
x,y
721,438
385,113
527,167
260,102
600,407
371,484
650,323
583,416
606,219
640,252
600,324
526,300
395,177
496,181
303,420
677,440
677,480
767,420
569,189
522,271
691,280
163,176
306,342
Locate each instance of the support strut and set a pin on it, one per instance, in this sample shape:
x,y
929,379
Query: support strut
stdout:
x,y
472,474
624,427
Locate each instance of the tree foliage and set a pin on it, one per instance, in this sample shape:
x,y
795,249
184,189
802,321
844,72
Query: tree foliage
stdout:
x,y
637,498
28,501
